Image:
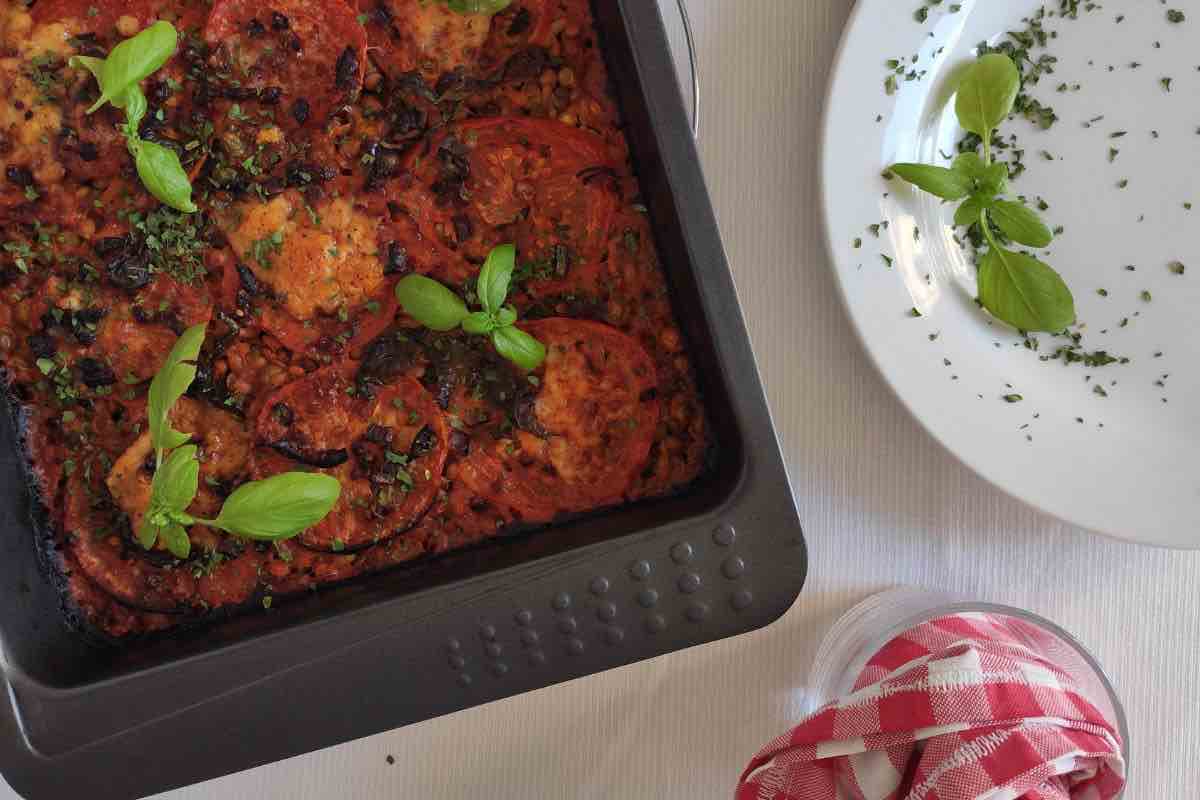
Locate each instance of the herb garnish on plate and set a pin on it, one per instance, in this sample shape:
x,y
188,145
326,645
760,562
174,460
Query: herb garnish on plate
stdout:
x,y
1014,286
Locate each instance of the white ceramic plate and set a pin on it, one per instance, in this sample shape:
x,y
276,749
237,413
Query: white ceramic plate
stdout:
x,y
1126,462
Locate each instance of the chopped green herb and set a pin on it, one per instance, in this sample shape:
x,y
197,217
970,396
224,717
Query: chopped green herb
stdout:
x,y
174,240
262,250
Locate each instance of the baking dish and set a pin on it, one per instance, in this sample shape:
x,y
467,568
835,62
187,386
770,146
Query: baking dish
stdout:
x,y
724,557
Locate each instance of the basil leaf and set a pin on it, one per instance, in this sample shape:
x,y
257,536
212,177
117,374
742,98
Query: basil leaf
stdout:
x,y
90,63
480,323
947,184
1020,223
176,481
519,347
506,316
147,533
96,67
968,213
495,276
279,507
430,303
163,175
135,110
987,94
134,60
169,384
1022,291
986,179
488,7
994,180
177,541
970,165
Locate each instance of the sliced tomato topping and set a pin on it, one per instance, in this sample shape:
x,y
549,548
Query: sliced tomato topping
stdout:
x,y
104,611
100,526
589,434
539,183
387,448
133,345
153,581
309,54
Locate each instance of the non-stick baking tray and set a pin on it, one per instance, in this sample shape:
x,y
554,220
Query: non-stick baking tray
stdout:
x,y
725,557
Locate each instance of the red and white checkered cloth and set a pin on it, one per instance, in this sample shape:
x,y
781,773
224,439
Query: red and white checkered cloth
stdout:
x,y
956,709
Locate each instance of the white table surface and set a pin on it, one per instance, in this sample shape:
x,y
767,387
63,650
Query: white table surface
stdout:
x,y
882,505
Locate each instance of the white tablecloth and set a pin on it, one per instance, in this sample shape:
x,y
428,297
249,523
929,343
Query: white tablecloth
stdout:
x,y
882,504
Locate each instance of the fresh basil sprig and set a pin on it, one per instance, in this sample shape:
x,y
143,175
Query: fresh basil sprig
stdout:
x,y
119,76
130,62
273,509
1014,287
987,94
437,308
431,304
488,7
278,507
168,385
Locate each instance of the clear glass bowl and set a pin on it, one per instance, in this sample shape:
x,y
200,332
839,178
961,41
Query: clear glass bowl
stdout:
x,y
683,48
879,619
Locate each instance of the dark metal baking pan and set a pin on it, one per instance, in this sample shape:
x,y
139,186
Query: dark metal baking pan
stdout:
x,y
723,558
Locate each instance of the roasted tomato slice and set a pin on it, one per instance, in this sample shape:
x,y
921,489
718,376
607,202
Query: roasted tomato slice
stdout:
x,y
103,610
156,581
220,571
423,37
308,54
539,183
387,447
133,344
587,434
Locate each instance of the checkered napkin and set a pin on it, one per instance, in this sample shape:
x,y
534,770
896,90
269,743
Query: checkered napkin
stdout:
x,y
961,708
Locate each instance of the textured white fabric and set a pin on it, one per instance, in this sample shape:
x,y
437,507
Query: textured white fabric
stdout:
x,y
881,502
